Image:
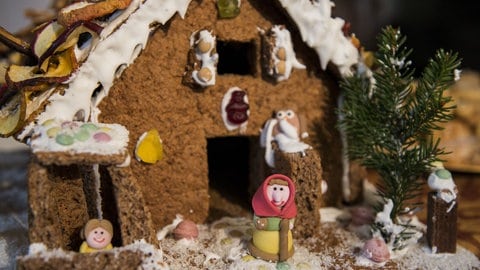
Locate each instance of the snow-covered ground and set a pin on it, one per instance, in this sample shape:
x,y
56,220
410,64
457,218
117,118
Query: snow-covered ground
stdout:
x,y
220,245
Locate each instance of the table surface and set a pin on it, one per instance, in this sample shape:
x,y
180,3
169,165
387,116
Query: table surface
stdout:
x,y
14,208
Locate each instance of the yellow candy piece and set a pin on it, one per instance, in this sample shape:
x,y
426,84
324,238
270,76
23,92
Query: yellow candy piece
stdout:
x,y
105,129
248,258
149,147
48,122
53,131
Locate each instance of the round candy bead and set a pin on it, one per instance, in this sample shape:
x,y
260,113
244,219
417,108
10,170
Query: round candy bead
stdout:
x,y
102,137
64,139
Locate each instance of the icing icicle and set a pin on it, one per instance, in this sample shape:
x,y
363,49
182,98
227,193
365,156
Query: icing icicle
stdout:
x,y
323,33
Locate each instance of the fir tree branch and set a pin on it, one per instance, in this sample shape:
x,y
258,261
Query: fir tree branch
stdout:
x,y
389,124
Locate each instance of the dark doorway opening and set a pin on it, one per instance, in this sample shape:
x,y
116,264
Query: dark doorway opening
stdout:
x,y
236,57
109,206
228,172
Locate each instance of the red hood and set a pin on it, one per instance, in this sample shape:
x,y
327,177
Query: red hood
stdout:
x,y
264,208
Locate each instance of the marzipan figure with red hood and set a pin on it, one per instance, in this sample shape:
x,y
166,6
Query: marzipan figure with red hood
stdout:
x,y
274,214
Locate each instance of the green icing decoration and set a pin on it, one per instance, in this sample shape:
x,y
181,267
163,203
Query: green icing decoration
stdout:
x,y
89,127
82,135
443,174
228,8
64,139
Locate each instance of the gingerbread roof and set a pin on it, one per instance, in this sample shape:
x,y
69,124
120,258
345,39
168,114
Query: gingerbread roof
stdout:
x,y
117,36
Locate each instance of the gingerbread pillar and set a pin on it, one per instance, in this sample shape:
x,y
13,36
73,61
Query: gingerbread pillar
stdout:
x,y
306,172
57,207
134,217
441,224
91,190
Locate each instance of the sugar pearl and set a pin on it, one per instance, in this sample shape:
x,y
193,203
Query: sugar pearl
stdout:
x,y
186,229
376,250
204,46
282,54
53,131
89,127
102,137
281,67
205,74
82,135
64,139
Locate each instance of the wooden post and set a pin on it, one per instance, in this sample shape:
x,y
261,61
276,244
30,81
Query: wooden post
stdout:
x,y
441,224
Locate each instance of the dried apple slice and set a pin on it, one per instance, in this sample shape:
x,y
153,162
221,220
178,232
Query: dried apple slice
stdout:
x,y
19,106
58,68
12,114
35,99
45,36
55,38
3,71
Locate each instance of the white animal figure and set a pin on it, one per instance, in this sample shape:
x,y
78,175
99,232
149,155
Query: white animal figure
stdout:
x,y
441,181
285,130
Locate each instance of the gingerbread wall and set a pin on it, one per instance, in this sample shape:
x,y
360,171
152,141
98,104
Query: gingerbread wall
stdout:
x,y
150,94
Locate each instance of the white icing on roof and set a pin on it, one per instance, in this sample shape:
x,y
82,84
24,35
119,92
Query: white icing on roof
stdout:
x,y
323,33
119,48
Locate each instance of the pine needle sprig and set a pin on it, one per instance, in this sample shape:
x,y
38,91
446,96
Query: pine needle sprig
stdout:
x,y
389,120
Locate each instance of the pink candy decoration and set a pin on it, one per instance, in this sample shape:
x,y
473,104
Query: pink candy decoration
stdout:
x,y
69,124
376,250
186,229
102,137
362,215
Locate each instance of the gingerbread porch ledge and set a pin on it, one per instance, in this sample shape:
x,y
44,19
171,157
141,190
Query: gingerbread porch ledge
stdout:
x,y
70,183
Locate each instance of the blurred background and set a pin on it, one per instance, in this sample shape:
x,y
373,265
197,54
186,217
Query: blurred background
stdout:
x,y
428,25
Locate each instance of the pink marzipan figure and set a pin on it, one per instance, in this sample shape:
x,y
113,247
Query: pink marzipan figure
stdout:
x,y
275,211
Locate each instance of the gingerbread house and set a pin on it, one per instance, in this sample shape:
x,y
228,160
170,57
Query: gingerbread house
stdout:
x,y
206,77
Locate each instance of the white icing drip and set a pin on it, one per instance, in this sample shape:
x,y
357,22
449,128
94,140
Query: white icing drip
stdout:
x,y
207,59
395,230
110,53
119,19
283,40
323,33
457,74
96,174
126,163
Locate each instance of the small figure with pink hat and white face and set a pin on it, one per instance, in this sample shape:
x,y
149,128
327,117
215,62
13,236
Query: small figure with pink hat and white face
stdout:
x,y
275,211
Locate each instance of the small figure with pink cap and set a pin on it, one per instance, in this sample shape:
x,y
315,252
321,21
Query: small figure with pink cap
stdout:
x,y
275,210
